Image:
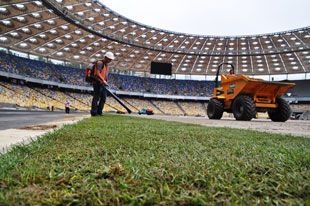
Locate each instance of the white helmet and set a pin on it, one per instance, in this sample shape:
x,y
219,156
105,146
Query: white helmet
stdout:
x,y
109,55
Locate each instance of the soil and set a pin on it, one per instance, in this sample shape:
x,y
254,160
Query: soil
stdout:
x,y
293,127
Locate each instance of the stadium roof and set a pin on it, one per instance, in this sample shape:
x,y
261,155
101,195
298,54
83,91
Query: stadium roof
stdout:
x,y
77,31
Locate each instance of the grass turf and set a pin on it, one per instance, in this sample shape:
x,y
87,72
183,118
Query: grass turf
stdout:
x,y
118,159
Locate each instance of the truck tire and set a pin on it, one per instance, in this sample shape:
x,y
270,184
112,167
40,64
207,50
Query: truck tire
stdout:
x,y
243,108
215,109
282,112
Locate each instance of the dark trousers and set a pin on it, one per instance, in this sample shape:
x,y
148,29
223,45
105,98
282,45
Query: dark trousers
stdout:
x,y
67,110
100,94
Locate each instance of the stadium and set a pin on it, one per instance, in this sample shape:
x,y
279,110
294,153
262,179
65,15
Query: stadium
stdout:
x,y
178,156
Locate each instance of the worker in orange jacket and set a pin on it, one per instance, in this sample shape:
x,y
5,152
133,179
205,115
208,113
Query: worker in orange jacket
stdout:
x,y
100,93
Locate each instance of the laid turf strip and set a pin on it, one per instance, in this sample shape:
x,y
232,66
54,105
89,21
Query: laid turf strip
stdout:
x,y
121,160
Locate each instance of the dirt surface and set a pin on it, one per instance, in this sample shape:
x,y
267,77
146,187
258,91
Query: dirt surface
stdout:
x,y
293,127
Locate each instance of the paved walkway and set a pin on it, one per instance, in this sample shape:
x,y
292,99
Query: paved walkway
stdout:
x,y
22,126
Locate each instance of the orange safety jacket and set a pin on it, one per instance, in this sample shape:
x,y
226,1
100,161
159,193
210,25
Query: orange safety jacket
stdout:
x,y
105,71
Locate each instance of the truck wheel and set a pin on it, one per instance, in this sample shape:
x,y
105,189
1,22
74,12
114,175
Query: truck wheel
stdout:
x,y
282,112
244,108
215,109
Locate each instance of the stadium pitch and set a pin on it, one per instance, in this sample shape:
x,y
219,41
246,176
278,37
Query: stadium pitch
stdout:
x,y
119,160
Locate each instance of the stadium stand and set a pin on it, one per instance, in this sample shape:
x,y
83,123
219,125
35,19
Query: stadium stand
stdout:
x,y
143,104
70,75
113,81
193,88
37,30
193,108
159,86
129,83
60,98
24,96
73,76
8,95
168,107
300,107
35,69
8,65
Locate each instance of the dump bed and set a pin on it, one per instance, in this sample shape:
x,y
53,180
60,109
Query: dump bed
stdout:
x,y
262,91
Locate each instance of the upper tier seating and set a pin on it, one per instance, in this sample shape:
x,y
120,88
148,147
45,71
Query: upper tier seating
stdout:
x,y
74,76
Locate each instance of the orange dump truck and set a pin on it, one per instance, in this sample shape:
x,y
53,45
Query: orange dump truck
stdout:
x,y
244,97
